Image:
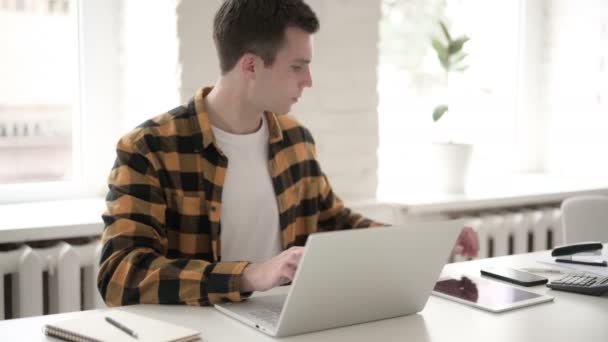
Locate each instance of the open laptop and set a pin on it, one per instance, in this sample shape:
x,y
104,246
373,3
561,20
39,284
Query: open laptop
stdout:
x,y
354,276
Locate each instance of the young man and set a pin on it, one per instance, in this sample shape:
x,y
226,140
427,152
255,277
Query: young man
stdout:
x,y
213,200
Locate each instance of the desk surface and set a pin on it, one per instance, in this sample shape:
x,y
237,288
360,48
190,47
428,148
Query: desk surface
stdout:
x,y
571,317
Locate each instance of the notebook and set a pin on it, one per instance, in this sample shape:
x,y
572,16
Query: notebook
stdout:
x,y
93,327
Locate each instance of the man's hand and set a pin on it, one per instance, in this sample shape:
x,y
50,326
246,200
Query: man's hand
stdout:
x,y
277,271
467,243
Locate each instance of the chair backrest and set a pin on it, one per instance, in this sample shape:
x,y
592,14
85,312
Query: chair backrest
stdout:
x,y
585,218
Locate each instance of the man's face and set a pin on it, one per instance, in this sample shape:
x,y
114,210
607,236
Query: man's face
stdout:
x,y
280,85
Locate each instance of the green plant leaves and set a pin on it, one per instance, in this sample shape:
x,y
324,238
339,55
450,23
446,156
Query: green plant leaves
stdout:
x,y
446,33
456,45
459,58
442,53
439,112
450,54
452,58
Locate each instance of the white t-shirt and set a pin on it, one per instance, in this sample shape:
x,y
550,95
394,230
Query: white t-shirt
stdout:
x,y
250,216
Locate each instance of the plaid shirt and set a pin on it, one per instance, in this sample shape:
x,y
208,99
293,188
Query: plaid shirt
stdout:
x,y
161,242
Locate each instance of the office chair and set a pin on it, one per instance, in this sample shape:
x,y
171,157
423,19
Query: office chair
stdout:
x,y
585,218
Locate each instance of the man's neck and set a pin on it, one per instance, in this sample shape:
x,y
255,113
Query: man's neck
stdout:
x,y
229,111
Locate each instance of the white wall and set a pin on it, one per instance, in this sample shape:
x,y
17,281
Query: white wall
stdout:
x,y
199,65
150,68
340,108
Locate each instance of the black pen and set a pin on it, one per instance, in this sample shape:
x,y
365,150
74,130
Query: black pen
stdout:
x,y
121,327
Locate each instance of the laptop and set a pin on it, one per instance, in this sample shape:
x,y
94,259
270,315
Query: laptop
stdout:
x,y
354,276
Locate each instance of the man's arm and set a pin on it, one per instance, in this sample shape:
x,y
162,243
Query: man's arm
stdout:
x,y
334,215
134,266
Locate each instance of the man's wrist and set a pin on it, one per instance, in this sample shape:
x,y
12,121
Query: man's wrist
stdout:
x,y
245,283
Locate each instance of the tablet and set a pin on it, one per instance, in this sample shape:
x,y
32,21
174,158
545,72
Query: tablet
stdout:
x,y
486,294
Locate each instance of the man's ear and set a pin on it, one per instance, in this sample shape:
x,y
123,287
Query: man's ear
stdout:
x,y
248,66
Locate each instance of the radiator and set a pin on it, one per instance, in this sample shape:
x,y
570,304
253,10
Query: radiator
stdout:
x,y
44,278
504,231
516,231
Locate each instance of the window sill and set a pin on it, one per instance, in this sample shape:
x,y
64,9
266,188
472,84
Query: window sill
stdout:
x,y
501,192
82,217
51,220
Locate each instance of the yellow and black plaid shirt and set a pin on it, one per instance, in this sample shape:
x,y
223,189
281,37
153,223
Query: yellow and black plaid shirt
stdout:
x,y
161,242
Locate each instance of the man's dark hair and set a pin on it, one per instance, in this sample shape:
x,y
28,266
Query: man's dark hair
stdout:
x,y
258,27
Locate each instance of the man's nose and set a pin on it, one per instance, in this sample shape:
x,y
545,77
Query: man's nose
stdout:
x,y
307,82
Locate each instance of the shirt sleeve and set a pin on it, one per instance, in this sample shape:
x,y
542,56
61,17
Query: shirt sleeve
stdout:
x,y
134,267
334,215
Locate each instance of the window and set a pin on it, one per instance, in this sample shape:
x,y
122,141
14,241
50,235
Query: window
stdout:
x,y
411,83
576,95
38,101
59,104
533,101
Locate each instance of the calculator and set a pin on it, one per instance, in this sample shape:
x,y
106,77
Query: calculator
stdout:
x,y
581,283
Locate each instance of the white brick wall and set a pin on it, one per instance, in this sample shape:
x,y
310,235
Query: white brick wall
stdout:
x,y
341,107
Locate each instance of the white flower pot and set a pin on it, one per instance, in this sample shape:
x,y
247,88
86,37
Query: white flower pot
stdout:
x,y
452,165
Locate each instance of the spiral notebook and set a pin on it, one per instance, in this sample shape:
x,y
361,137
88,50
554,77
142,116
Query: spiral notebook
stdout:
x,y
93,327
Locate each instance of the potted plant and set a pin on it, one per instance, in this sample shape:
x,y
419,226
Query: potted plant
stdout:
x,y
452,159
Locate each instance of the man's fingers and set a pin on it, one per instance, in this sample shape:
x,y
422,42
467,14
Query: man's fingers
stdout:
x,y
284,280
473,243
476,244
294,254
458,249
285,265
298,251
297,255
468,243
288,272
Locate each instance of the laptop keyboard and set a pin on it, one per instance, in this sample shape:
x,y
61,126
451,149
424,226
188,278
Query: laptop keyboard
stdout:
x,y
269,316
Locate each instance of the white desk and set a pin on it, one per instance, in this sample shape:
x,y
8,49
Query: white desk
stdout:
x,y
571,317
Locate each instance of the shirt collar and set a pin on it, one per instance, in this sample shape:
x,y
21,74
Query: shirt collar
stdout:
x,y
274,126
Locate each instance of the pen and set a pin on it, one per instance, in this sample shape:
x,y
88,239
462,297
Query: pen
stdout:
x,y
121,327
